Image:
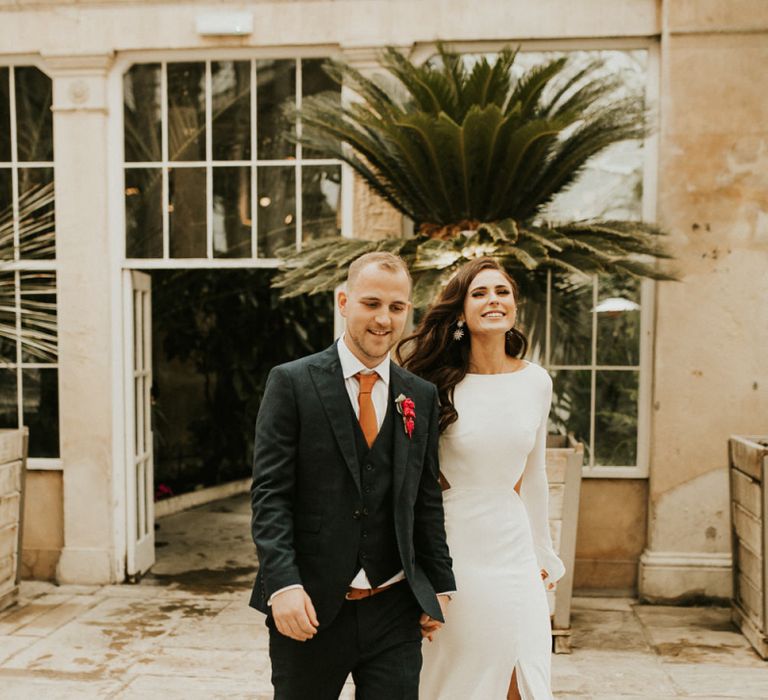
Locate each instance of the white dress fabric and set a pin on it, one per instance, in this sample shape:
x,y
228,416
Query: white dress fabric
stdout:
x,y
498,620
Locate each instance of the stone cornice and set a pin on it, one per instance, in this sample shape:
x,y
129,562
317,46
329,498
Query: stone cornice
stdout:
x,y
86,63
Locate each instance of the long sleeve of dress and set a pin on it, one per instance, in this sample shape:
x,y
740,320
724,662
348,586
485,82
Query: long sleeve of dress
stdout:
x,y
534,492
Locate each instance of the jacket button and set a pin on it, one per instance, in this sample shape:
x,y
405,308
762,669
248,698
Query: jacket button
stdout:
x,y
368,467
367,489
356,515
365,511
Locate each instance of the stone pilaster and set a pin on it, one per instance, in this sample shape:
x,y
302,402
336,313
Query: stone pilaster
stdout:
x,y
712,327
85,349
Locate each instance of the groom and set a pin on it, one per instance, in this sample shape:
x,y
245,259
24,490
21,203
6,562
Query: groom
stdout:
x,y
347,509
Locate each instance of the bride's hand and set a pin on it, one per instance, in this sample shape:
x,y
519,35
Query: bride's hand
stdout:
x,y
544,576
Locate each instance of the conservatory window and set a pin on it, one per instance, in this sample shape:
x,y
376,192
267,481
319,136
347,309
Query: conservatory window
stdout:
x,y
598,343
28,332
209,170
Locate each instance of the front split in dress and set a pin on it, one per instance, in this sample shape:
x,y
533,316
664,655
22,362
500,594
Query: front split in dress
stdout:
x,y
499,540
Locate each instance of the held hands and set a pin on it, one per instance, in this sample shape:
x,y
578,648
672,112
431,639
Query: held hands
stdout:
x,y
295,615
430,626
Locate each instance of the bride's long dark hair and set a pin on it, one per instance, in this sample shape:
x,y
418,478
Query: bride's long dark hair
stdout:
x,y
431,351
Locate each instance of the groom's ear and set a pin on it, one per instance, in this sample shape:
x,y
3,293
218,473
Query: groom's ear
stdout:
x,y
342,301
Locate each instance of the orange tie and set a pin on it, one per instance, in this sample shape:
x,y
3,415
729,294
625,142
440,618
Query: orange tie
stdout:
x,y
367,413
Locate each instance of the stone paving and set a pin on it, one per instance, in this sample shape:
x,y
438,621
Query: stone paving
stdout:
x,y
186,632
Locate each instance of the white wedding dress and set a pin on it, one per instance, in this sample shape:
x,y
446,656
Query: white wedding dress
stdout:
x,y
498,620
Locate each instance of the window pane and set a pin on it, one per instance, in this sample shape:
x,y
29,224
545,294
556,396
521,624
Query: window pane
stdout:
x,y
186,111
571,320
40,390
232,212
34,120
5,117
142,113
616,418
37,223
9,416
143,213
8,309
321,199
618,321
276,82
571,405
314,80
6,215
276,195
38,317
231,118
610,187
187,212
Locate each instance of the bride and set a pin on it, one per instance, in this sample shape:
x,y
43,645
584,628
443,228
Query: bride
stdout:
x,y
493,424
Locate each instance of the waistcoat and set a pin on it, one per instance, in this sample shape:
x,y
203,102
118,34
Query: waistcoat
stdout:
x,y
378,554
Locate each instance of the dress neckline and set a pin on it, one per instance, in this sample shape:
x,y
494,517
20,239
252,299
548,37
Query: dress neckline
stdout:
x,y
501,374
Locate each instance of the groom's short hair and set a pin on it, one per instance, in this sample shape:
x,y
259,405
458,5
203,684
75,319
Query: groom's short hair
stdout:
x,y
383,260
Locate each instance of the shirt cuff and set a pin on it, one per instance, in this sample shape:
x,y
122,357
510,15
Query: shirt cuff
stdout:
x,y
283,590
450,594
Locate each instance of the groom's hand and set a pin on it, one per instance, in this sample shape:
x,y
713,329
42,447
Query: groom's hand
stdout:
x,y
295,615
429,626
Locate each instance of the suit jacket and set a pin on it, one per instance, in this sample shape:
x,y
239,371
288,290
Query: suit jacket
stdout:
x,y
306,497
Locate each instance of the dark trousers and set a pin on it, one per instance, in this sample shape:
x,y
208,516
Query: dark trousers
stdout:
x,y
376,639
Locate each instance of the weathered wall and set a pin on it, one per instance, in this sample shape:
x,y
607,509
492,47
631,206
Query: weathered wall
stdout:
x,y
43,525
96,26
711,377
611,534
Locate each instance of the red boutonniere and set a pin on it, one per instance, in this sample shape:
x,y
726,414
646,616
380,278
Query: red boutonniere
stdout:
x,y
407,409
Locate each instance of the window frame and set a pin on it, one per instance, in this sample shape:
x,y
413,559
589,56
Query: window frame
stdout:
x,y
17,266
209,56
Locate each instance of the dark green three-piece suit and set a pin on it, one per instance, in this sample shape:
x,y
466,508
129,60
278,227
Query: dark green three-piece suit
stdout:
x,y
326,505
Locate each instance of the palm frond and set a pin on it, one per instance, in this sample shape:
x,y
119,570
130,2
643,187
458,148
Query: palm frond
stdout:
x,y
474,156
27,312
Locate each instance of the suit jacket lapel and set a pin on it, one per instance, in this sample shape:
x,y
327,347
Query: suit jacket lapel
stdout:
x,y
329,383
399,384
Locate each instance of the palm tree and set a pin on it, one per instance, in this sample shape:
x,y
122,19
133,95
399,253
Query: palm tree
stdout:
x,y
473,156
37,326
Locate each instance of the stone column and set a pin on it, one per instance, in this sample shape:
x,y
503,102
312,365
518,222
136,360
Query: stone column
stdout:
x,y
85,348
712,327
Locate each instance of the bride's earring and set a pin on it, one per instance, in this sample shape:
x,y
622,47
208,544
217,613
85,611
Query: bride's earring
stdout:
x,y
458,334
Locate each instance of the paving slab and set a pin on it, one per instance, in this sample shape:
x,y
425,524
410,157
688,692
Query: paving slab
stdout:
x,y
610,629
16,618
592,603
700,680
197,688
604,670
10,645
697,635
25,687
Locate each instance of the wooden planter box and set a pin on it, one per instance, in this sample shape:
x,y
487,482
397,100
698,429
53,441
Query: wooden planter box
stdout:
x,y
748,476
13,453
564,461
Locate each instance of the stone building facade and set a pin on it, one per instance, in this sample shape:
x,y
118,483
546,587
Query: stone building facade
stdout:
x,y
660,528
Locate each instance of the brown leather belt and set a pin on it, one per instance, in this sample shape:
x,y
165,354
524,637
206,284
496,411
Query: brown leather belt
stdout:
x,y
360,593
